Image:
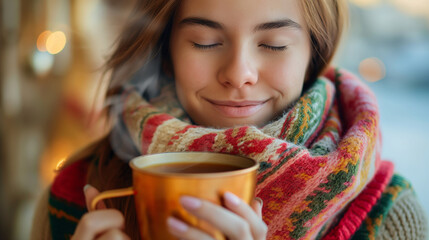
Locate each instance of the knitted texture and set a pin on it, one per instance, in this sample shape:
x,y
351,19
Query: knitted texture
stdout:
x,y
396,216
67,201
362,205
314,160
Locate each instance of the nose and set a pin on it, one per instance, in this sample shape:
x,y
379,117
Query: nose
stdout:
x,y
239,70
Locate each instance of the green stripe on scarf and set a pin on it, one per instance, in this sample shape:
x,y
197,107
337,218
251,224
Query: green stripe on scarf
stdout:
x,y
314,159
370,227
63,217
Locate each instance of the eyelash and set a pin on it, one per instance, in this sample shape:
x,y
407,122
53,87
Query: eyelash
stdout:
x,y
210,46
273,48
205,47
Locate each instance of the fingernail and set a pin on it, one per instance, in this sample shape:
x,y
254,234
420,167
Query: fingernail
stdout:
x,y
232,198
177,225
260,201
86,187
190,203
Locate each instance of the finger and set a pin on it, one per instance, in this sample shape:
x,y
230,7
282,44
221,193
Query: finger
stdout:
x,y
253,215
97,222
182,230
114,234
90,193
232,225
257,206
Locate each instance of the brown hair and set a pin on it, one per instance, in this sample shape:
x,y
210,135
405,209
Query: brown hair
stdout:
x,y
147,34
326,20
142,39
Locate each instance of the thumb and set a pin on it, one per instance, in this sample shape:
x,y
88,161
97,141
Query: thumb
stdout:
x,y
257,206
90,193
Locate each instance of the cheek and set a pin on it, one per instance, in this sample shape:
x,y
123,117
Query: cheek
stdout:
x,y
286,75
190,71
191,75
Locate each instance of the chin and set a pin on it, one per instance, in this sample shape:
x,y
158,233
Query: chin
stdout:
x,y
228,123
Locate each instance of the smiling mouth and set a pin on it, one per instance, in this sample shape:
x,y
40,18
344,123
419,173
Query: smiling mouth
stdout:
x,y
237,109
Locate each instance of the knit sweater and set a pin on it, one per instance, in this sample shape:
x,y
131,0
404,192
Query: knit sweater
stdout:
x,y
315,157
381,211
320,172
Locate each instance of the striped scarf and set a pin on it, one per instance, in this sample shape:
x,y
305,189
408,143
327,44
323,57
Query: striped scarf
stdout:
x,y
314,159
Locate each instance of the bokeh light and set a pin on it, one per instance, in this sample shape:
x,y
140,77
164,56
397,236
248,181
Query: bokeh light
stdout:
x,y
413,7
41,40
42,62
53,159
372,69
60,164
56,42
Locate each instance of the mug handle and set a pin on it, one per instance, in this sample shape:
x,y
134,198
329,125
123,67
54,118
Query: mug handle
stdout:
x,y
122,192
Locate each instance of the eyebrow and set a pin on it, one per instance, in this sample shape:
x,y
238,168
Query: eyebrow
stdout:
x,y
201,21
288,23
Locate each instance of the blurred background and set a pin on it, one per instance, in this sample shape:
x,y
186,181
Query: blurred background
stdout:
x,y
51,88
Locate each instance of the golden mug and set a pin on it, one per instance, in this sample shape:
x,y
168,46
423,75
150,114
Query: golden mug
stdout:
x,y
157,191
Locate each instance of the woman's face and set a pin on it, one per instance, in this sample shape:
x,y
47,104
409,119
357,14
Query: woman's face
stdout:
x,y
238,62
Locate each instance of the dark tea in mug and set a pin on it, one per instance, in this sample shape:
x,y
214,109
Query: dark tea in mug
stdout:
x,y
192,167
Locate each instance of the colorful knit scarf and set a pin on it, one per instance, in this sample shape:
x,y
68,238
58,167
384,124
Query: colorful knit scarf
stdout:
x,y
314,160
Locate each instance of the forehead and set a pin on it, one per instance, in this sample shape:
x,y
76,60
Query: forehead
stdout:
x,y
241,12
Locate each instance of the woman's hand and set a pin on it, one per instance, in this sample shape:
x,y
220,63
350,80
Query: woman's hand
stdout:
x,y
100,224
238,221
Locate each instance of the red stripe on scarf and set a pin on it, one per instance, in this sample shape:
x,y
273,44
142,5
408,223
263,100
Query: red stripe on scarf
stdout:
x,y
241,145
69,183
149,129
286,125
204,143
294,179
179,133
362,205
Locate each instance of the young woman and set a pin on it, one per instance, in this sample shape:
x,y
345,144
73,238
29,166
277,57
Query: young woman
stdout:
x,y
242,77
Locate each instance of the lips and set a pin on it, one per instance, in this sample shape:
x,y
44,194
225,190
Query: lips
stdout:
x,y
237,109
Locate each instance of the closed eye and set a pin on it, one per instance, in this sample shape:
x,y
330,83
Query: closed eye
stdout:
x,y
204,47
273,48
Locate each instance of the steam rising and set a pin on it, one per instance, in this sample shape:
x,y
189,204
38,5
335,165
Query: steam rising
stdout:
x,y
147,82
